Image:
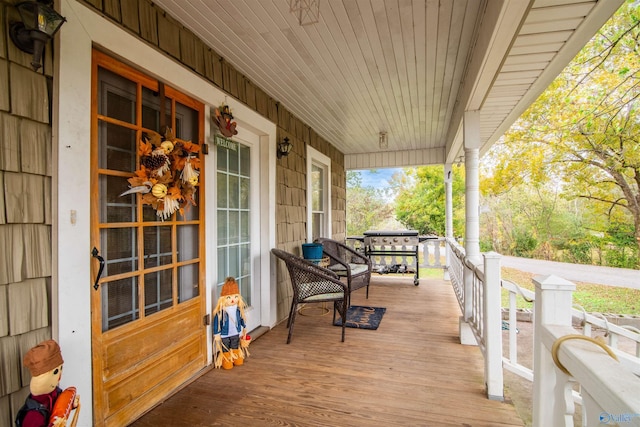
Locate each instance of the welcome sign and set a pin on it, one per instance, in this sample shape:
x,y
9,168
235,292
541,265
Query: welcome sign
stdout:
x,y
221,141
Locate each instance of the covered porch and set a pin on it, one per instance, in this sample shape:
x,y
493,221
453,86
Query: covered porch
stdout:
x,y
412,370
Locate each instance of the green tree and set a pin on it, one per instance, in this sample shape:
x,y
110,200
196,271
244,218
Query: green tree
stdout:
x,y
420,204
583,134
367,207
533,221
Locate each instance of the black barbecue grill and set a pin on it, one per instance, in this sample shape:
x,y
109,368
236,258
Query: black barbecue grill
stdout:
x,y
403,243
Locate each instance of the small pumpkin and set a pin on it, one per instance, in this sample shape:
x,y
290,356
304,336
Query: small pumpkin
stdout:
x,y
193,180
167,146
159,191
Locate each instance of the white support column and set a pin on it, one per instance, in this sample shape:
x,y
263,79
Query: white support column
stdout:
x,y
472,185
552,307
472,206
448,213
492,318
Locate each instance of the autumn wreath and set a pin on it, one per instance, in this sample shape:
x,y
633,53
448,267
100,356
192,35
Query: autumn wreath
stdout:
x,y
168,173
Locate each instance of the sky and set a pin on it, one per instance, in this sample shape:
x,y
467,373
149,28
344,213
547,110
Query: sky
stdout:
x,y
378,178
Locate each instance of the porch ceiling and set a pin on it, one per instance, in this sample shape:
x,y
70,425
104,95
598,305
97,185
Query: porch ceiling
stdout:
x,y
409,68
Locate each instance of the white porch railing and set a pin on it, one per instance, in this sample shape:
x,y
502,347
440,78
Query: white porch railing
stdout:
x,y
609,390
623,339
477,288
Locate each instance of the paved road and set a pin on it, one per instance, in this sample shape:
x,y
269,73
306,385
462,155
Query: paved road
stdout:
x,y
576,272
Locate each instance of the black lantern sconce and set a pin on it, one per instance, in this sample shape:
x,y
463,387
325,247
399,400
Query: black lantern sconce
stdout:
x,y
284,148
39,23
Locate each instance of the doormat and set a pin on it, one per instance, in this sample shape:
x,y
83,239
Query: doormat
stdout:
x,y
362,317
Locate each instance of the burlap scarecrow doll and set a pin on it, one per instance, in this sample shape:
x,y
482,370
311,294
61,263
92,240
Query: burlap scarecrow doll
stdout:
x,y
230,339
47,404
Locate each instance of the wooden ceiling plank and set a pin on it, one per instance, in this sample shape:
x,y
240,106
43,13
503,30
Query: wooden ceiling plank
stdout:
x,y
534,49
410,23
379,35
528,59
464,19
508,76
538,39
388,18
408,77
420,43
525,67
567,11
444,22
550,26
432,30
381,88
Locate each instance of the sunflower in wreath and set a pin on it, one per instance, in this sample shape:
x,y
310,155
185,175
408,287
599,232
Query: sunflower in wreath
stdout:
x,y
168,174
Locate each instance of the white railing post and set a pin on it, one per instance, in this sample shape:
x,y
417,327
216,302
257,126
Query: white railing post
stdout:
x,y
552,307
492,317
448,212
466,334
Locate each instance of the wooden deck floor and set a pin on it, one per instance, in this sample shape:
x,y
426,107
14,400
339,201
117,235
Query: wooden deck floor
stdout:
x,y
411,371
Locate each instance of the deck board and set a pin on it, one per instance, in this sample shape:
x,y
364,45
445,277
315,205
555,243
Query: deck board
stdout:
x,y
411,371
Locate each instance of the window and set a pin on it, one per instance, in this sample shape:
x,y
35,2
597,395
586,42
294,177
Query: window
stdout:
x,y
318,195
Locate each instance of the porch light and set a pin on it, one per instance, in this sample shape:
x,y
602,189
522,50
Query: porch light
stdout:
x,y
284,148
39,23
382,141
307,11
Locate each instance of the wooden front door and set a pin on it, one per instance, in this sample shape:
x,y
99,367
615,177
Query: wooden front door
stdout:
x,y
148,334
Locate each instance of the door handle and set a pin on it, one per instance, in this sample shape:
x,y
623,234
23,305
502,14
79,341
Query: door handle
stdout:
x,y
95,254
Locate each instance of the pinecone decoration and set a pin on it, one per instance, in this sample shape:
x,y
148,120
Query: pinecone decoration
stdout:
x,y
157,162
153,162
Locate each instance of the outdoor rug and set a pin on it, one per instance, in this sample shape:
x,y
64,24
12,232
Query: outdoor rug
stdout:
x,y
362,317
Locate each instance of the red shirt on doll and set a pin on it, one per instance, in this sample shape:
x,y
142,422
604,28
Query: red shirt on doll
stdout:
x,y
35,418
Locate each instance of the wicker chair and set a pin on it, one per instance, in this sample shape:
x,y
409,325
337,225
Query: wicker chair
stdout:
x,y
347,263
311,284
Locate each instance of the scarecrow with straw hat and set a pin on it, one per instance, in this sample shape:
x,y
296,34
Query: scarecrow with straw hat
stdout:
x,y
230,339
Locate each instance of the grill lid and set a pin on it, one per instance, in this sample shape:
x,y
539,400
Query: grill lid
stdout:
x,y
390,233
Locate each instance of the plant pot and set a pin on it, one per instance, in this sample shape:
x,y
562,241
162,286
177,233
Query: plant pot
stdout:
x,y
312,251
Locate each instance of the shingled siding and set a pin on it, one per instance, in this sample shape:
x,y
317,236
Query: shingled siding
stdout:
x,y
25,214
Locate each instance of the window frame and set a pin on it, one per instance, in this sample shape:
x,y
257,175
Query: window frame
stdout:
x,y
314,157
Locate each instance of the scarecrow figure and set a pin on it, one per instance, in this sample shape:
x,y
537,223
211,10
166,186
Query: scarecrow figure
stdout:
x,y
47,405
230,339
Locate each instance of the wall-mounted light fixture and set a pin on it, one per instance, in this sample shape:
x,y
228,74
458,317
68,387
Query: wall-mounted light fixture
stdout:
x,y
284,148
39,23
382,141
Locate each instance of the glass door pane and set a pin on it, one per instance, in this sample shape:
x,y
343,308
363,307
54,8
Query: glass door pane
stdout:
x,y
233,213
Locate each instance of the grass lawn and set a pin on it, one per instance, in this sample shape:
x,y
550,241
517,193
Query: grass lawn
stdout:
x,y
593,298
